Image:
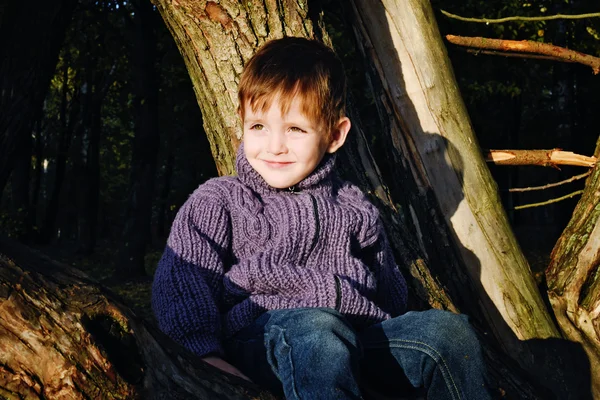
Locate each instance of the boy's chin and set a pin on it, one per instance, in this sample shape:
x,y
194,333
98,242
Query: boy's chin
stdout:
x,y
280,183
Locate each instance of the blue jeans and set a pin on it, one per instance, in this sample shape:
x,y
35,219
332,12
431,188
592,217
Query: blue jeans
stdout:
x,y
314,353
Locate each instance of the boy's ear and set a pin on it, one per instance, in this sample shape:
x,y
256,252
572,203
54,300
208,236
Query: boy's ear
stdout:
x,y
339,134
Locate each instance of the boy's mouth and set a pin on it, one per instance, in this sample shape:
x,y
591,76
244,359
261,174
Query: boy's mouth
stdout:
x,y
277,164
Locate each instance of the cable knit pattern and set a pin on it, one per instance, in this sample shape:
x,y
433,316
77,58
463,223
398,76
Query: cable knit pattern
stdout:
x,y
239,247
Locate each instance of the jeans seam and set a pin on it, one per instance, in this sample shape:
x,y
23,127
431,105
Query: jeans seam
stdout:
x,y
445,370
282,332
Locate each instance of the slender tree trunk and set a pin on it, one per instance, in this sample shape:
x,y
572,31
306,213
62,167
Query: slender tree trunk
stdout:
x,y
94,90
30,39
161,223
88,190
88,166
38,173
19,183
68,116
136,232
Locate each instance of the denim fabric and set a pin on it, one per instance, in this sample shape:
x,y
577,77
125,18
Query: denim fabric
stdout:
x,y
314,353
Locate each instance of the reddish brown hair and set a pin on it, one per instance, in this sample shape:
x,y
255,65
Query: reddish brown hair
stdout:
x,y
292,66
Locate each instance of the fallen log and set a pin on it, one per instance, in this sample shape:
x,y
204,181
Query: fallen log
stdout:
x,y
63,336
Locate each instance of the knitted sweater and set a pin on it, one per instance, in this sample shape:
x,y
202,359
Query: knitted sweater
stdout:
x,y
239,247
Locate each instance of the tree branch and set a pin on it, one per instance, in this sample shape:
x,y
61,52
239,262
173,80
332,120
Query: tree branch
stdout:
x,y
544,158
519,18
545,203
516,55
527,46
551,185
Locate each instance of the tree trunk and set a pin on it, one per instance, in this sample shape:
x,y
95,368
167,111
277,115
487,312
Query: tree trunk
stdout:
x,y
68,116
161,224
424,96
573,284
435,133
88,169
36,184
64,337
136,232
94,89
30,39
19,184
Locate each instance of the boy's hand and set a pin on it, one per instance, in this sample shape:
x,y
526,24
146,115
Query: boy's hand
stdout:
x,y
224,366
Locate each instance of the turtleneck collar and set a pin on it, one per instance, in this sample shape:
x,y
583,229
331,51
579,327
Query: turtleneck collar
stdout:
x,y
320,180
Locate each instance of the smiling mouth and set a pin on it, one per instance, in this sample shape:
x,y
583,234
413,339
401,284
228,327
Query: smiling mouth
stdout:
x,y
277,164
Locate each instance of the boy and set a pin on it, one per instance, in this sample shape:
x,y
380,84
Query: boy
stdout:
x,y
285,270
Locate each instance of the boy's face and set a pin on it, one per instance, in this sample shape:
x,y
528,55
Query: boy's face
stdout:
x,y
284,149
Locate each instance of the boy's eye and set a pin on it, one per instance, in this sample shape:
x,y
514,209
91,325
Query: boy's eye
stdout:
x,y
257,127
296,129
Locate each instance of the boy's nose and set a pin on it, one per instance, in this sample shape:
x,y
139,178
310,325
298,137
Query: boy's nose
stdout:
x,y
276,143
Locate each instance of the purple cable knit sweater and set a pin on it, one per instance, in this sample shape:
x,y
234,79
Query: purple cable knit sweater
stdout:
x,y
239,247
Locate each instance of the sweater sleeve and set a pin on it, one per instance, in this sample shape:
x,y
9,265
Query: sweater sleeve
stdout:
x,y
188,279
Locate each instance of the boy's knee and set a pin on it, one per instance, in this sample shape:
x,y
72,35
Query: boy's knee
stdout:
x,y
454,332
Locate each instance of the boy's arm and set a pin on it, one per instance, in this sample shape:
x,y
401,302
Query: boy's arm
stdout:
x,y
375,252
188,279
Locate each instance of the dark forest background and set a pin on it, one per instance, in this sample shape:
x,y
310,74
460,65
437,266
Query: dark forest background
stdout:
x,y
111,141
